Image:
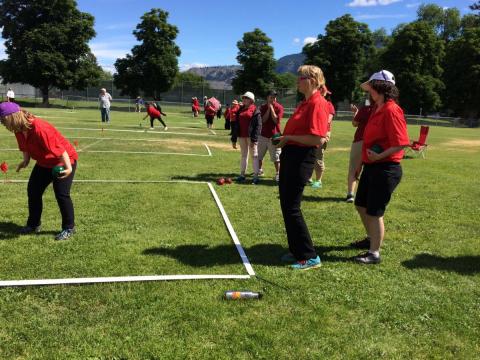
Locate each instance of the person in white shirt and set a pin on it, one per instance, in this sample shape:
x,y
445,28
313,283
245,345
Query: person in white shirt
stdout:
x,y
10,95
104,98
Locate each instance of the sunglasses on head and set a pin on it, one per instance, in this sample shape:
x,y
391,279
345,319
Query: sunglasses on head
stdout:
x,y
302,77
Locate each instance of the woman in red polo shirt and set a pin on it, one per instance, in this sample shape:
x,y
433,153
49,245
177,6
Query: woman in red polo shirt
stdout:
x,y
210,113
304,132
39,140
384,138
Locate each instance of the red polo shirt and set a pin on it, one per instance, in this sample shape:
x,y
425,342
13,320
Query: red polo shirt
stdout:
x,y
362,117
331,111
309,118
269,128
210,111
244,118
386,127
153,112
45,144
233,112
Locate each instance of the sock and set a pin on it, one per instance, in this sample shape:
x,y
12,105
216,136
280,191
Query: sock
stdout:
x,y
374,253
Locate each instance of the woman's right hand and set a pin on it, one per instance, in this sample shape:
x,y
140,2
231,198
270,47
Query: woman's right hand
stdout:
x,y
22,165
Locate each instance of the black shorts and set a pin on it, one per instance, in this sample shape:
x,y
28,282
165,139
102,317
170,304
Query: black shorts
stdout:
x,y
209,119
377,183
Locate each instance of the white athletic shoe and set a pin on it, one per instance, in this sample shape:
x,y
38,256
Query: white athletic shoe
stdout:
x,y
152,128
165,129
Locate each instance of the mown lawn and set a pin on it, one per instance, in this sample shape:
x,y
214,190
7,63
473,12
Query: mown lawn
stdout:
x,y
422,302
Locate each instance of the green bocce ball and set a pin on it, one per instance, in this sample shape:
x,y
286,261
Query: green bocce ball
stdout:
x,y
276,138
377,148
57,170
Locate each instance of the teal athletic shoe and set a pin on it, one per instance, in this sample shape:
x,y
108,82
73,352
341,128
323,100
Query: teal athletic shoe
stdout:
x,y
316,185
307,264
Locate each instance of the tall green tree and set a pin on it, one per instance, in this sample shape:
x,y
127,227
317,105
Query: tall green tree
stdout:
x,y
342,54
258,64
47,45
446,21
286,81
190,79
462,74
153,64
475,6
415,57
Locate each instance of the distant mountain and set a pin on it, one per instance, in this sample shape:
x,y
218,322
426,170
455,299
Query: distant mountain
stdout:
x,y
220,77
290,63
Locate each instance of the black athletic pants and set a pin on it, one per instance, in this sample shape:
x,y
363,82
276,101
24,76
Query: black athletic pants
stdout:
x,y
296,168
159,119
40,178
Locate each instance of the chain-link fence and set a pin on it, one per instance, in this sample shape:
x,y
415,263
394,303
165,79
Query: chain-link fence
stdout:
x,y
180,96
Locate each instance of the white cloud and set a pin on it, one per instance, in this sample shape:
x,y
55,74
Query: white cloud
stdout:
x,y
363,3
109,51
309,40
413,5
185,67
379,16
296,41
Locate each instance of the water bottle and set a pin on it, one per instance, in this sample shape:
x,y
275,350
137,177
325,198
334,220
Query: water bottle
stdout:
x,y
236,295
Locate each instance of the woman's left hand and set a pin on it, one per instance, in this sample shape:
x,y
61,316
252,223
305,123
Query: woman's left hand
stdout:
x,y
65,173
282,142
373,156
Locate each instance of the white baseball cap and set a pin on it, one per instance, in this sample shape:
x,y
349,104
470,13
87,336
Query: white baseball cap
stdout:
x,y
383,75
249,95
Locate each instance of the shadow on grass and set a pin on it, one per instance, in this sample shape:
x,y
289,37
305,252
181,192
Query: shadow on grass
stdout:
x,y
465,265
264,254
9,230
323,198
213,177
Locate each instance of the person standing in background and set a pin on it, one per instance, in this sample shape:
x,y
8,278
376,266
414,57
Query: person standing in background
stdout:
x,y
105,99
10,95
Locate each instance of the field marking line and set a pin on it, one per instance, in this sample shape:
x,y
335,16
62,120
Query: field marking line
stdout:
x,y
208,149
143,152
89,145
116,279
235,239
134,131
119,181
212,132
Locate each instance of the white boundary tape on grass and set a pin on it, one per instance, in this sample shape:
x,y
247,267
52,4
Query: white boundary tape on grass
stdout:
x,y
117,279
133,131
240,250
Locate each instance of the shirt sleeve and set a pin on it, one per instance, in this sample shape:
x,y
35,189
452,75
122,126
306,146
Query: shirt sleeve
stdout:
x,y
50,138
279,112
318,120
331,109
20,143
396,128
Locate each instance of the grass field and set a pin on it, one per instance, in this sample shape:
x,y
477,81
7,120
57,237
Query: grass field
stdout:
x,y
422,302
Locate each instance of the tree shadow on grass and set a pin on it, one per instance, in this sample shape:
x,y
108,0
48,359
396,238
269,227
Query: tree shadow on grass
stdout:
x,y
213,177
464,265
264,254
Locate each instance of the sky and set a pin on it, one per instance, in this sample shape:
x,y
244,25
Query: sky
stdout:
x,y
208,33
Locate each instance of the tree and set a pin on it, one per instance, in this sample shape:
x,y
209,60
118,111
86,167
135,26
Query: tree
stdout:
x,y
342,54
191,79
285,81
475,6
462,74
415,57
470,21
106,76
152,66
446,21
258,64
40,48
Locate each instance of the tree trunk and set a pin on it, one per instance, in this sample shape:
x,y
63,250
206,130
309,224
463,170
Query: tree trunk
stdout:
x,y
44,91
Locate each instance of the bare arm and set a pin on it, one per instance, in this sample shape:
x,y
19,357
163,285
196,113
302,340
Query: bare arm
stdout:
x,y
309,140
373,156
24,163
68,165
274,114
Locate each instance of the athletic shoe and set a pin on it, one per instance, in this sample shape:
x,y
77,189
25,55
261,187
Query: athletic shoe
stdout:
x,y
367,258
255,180
310,181
307,264
260,173
288,258
316,185
152,128
240,179
350,198
29,230
65,234
361,244
277,178
166,128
